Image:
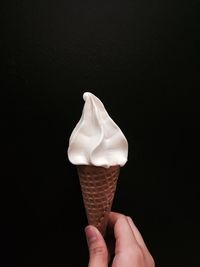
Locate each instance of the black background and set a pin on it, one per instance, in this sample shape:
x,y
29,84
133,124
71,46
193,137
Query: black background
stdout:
x,y
140,58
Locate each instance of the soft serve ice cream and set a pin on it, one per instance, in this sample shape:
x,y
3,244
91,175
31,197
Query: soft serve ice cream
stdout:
x,y
98,148
97,140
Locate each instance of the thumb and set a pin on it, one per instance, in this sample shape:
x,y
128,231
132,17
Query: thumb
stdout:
x,y
97,247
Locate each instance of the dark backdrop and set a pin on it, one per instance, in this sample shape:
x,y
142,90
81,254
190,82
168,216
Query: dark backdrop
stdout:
x,y
140,58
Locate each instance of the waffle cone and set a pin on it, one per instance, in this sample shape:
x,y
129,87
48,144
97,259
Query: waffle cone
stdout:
x,y
98,187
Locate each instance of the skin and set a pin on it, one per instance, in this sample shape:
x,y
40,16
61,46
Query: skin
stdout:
x,y
129,247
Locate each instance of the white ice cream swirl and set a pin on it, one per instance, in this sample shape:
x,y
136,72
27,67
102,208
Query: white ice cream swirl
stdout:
x,y
96,139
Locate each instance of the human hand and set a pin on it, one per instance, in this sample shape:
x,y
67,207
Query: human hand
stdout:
x,y
130,249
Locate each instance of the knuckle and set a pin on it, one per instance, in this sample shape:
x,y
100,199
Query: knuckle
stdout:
x,y
98,251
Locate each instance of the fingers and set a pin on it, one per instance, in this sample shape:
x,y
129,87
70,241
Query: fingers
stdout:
x,y
129,239
125,239
97,248
136,233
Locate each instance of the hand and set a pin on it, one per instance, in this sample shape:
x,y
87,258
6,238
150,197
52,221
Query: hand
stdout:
x,y
130,249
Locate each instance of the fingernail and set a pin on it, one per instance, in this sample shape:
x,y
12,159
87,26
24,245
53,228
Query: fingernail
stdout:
x,y
129,219
91,234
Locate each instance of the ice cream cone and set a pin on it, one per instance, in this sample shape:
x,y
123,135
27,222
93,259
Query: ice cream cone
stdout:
x,y
98,185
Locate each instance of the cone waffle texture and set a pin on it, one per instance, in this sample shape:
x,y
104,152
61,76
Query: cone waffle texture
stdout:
x,y
98,187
